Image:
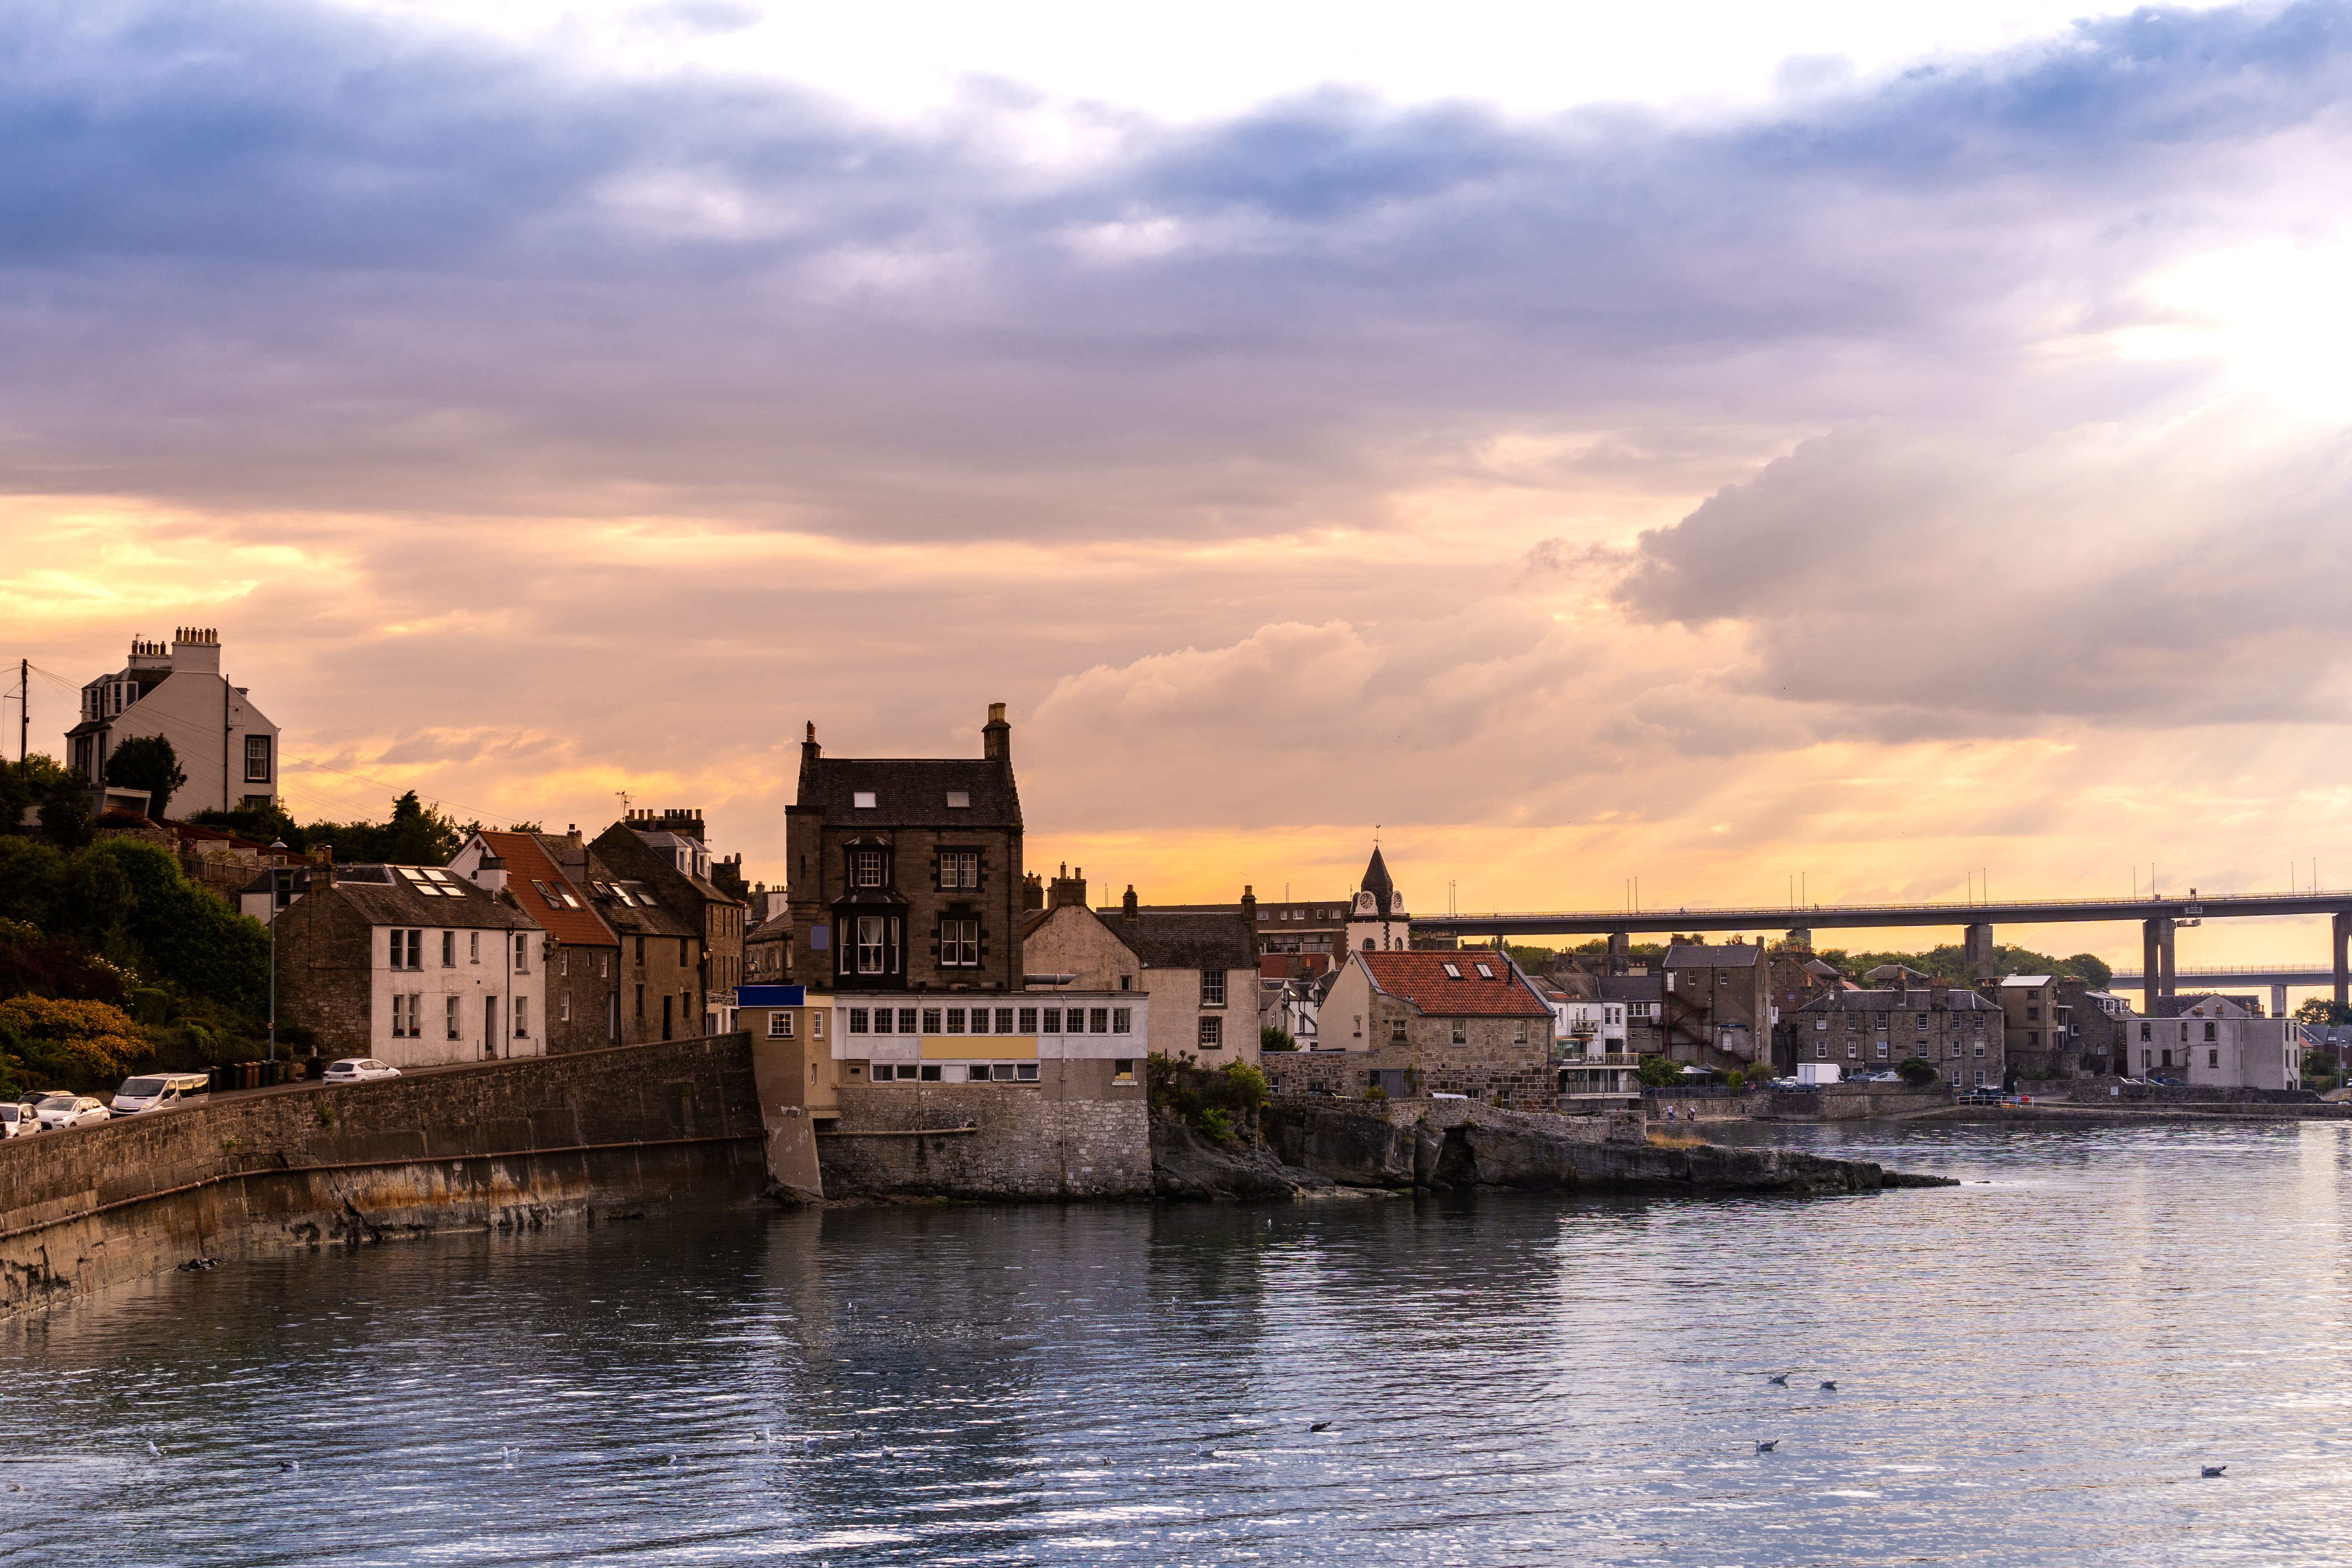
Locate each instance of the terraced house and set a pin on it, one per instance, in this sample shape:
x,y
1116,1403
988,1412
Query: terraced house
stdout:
x,y
1905,1013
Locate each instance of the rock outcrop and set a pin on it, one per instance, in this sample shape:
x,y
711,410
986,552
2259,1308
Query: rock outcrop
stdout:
x,y
1184,1164
1379,1148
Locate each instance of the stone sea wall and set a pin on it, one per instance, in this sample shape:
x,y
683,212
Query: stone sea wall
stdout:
x,y
1009,1142
520,1142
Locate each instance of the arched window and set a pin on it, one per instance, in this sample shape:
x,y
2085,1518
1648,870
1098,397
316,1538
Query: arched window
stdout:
x,y
1367,944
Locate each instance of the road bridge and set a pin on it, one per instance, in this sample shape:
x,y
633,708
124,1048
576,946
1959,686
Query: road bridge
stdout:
x,y
2159,919
2227,976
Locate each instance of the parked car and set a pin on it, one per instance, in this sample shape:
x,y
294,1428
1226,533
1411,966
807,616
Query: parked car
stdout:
x,y
62,1110
162,1091
18,1120
359,1069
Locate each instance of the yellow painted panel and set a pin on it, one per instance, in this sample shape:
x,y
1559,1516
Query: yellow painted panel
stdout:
x,y
980,1047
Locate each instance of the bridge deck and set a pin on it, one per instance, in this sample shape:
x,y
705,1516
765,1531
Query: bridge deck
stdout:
x,y
1818,917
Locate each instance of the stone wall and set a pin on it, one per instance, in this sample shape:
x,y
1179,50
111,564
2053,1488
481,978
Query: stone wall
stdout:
x,y
1856,1101
1010,1140
499,1143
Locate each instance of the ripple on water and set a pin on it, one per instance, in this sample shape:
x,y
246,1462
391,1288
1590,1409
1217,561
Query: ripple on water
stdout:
x,y
2031,1369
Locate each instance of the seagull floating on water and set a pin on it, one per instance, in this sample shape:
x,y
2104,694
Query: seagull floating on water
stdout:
x,y
152,1449
1768,1447
1780,1377
2212,1471
1830,1383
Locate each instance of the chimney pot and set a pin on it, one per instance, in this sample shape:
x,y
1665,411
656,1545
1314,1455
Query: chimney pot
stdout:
x,y
1127,905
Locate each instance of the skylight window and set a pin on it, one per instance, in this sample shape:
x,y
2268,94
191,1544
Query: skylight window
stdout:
x,y
430,882
548,893
861,800
958,800
1484,973
1453,971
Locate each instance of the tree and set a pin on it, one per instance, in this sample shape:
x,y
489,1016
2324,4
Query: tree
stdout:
x,y
1916,1071
148,763
1657,1072
182,934
1274,1038
85,1043
2321,1011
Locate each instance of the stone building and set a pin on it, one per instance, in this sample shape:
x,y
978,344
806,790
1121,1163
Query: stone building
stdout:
x,y
413,965
2217,1043
660,964
1416,1024
905,875
1900,1014
2059,1026
225,745
667,852
583,962
1719,1008
1199,966
1643,996
768,945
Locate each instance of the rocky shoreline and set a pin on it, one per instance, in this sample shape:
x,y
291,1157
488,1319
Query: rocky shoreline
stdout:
x,y
1336,1148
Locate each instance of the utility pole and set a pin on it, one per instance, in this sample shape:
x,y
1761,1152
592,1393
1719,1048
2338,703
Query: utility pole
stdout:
x,y
23,711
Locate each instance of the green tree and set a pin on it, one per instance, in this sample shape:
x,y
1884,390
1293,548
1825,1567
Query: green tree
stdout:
x,y
184,934
2321,1011
148,763
1274,1038
1916,1071
1657,1072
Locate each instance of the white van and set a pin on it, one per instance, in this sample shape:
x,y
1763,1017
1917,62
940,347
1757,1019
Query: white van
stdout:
x,y
162,1091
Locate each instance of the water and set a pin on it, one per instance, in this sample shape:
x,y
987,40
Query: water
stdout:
x,y
2031,1369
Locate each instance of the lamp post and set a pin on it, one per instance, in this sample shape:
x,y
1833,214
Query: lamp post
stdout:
x,y
275,871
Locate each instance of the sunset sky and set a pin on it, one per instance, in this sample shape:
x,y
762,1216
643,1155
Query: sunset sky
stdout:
x,y
1707,443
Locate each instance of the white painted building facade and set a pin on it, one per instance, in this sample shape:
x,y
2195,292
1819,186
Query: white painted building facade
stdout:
x,y
225,745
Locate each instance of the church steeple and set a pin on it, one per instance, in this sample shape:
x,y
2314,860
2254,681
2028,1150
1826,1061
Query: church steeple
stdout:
x,y
1376,918
1378,883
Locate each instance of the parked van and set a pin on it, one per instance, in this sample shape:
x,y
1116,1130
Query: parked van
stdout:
x,y
162,1091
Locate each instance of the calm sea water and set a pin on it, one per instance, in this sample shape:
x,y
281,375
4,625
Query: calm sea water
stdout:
x,y
2031,1369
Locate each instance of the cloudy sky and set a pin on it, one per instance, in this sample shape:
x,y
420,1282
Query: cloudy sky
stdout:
x,y
1874,444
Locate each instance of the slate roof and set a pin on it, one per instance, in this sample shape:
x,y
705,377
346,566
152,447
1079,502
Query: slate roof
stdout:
x,y
1632,987
1695,955
573,921
387,897
1168,938
1957,999
775,927
911,792
1376,878
1421,979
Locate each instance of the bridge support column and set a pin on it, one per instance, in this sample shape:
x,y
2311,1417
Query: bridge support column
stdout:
x,y
2155,965
1619,957
1976,948
2278,1001
1800,937
2339,928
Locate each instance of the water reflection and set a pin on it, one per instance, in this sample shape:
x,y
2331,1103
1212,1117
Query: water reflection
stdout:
x,y
2031,1368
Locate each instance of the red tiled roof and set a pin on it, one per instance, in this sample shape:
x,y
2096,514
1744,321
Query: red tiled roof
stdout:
x,y
527,863
1421,979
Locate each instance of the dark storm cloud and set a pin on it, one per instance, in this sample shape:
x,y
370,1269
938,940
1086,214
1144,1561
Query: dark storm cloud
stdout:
x,y
264,256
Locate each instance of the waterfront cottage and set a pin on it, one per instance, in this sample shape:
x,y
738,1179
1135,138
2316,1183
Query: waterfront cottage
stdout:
x,y
1198,966
413,965
1416,1024
548,874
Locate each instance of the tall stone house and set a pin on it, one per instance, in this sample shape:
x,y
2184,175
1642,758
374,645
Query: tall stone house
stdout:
x,y
2059,1026
413,965
1416,1024
1898,1013
1198,966
549,876
1718,1006
661,963
225,745
668,853
1643,998
905,875
768,945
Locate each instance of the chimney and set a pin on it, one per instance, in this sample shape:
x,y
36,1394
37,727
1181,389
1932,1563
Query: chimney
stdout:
x,y
996,738
322,865
1249,905
490,872
1033,891
1127,905
810,752
1068,888
572,837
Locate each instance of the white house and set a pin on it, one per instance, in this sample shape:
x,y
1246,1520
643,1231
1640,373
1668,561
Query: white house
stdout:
x,y
226,746
1089,1040
2218,1043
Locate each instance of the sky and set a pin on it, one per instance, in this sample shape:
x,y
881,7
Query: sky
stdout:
x,y
1888,451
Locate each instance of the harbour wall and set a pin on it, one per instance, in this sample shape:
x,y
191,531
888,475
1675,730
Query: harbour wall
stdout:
x,y
607,1133
1008,1142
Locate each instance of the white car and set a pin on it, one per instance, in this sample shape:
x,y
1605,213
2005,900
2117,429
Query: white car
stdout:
x,y
17,1122
359,1069
61,1110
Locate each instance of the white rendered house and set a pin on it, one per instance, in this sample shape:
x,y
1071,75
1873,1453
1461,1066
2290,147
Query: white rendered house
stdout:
x,y
225,745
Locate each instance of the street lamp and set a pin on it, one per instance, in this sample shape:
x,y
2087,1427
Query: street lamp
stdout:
x,y
275,871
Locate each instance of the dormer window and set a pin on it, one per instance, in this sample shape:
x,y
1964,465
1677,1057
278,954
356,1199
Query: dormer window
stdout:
x,y
861,800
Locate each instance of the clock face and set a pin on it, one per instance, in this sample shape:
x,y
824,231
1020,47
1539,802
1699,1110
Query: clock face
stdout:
x,y
1364,904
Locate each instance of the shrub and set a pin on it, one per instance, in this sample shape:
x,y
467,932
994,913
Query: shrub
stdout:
x,y
1181,1087
1272,1039
1376,1093
1735,1080
1918,1071
187,936
1218,1123
83,1043
1657,1072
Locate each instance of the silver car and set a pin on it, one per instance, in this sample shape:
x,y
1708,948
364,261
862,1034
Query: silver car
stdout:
x,y
359,1069
17,1122
62,1110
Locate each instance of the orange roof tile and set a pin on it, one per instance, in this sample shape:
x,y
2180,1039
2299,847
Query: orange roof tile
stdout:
x,y
530,867
1421,978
